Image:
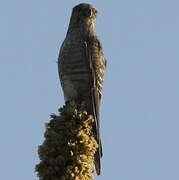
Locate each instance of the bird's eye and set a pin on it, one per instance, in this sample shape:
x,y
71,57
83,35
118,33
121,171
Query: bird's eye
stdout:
x,y
87,12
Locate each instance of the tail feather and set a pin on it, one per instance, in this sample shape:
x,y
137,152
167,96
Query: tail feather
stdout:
x,y
97,159
97,163
96,129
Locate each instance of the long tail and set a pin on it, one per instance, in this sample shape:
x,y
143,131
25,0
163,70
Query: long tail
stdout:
x,y
96,130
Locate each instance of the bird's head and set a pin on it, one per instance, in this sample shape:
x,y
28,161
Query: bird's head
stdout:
x,y
84,14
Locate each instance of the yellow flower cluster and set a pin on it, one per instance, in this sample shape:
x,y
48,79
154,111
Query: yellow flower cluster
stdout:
x,y
69,147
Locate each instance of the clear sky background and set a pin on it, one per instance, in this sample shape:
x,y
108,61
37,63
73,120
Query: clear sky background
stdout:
x,y
140,109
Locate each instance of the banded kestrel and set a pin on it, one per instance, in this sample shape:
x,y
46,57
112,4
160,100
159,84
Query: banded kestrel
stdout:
x,y
81,66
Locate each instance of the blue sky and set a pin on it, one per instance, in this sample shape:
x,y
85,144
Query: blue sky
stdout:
x,y
139,114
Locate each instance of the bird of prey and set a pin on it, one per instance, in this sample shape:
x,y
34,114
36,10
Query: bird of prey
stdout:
x,y
81,66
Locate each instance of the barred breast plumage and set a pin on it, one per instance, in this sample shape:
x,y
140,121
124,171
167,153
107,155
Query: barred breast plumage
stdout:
x,y
73,67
